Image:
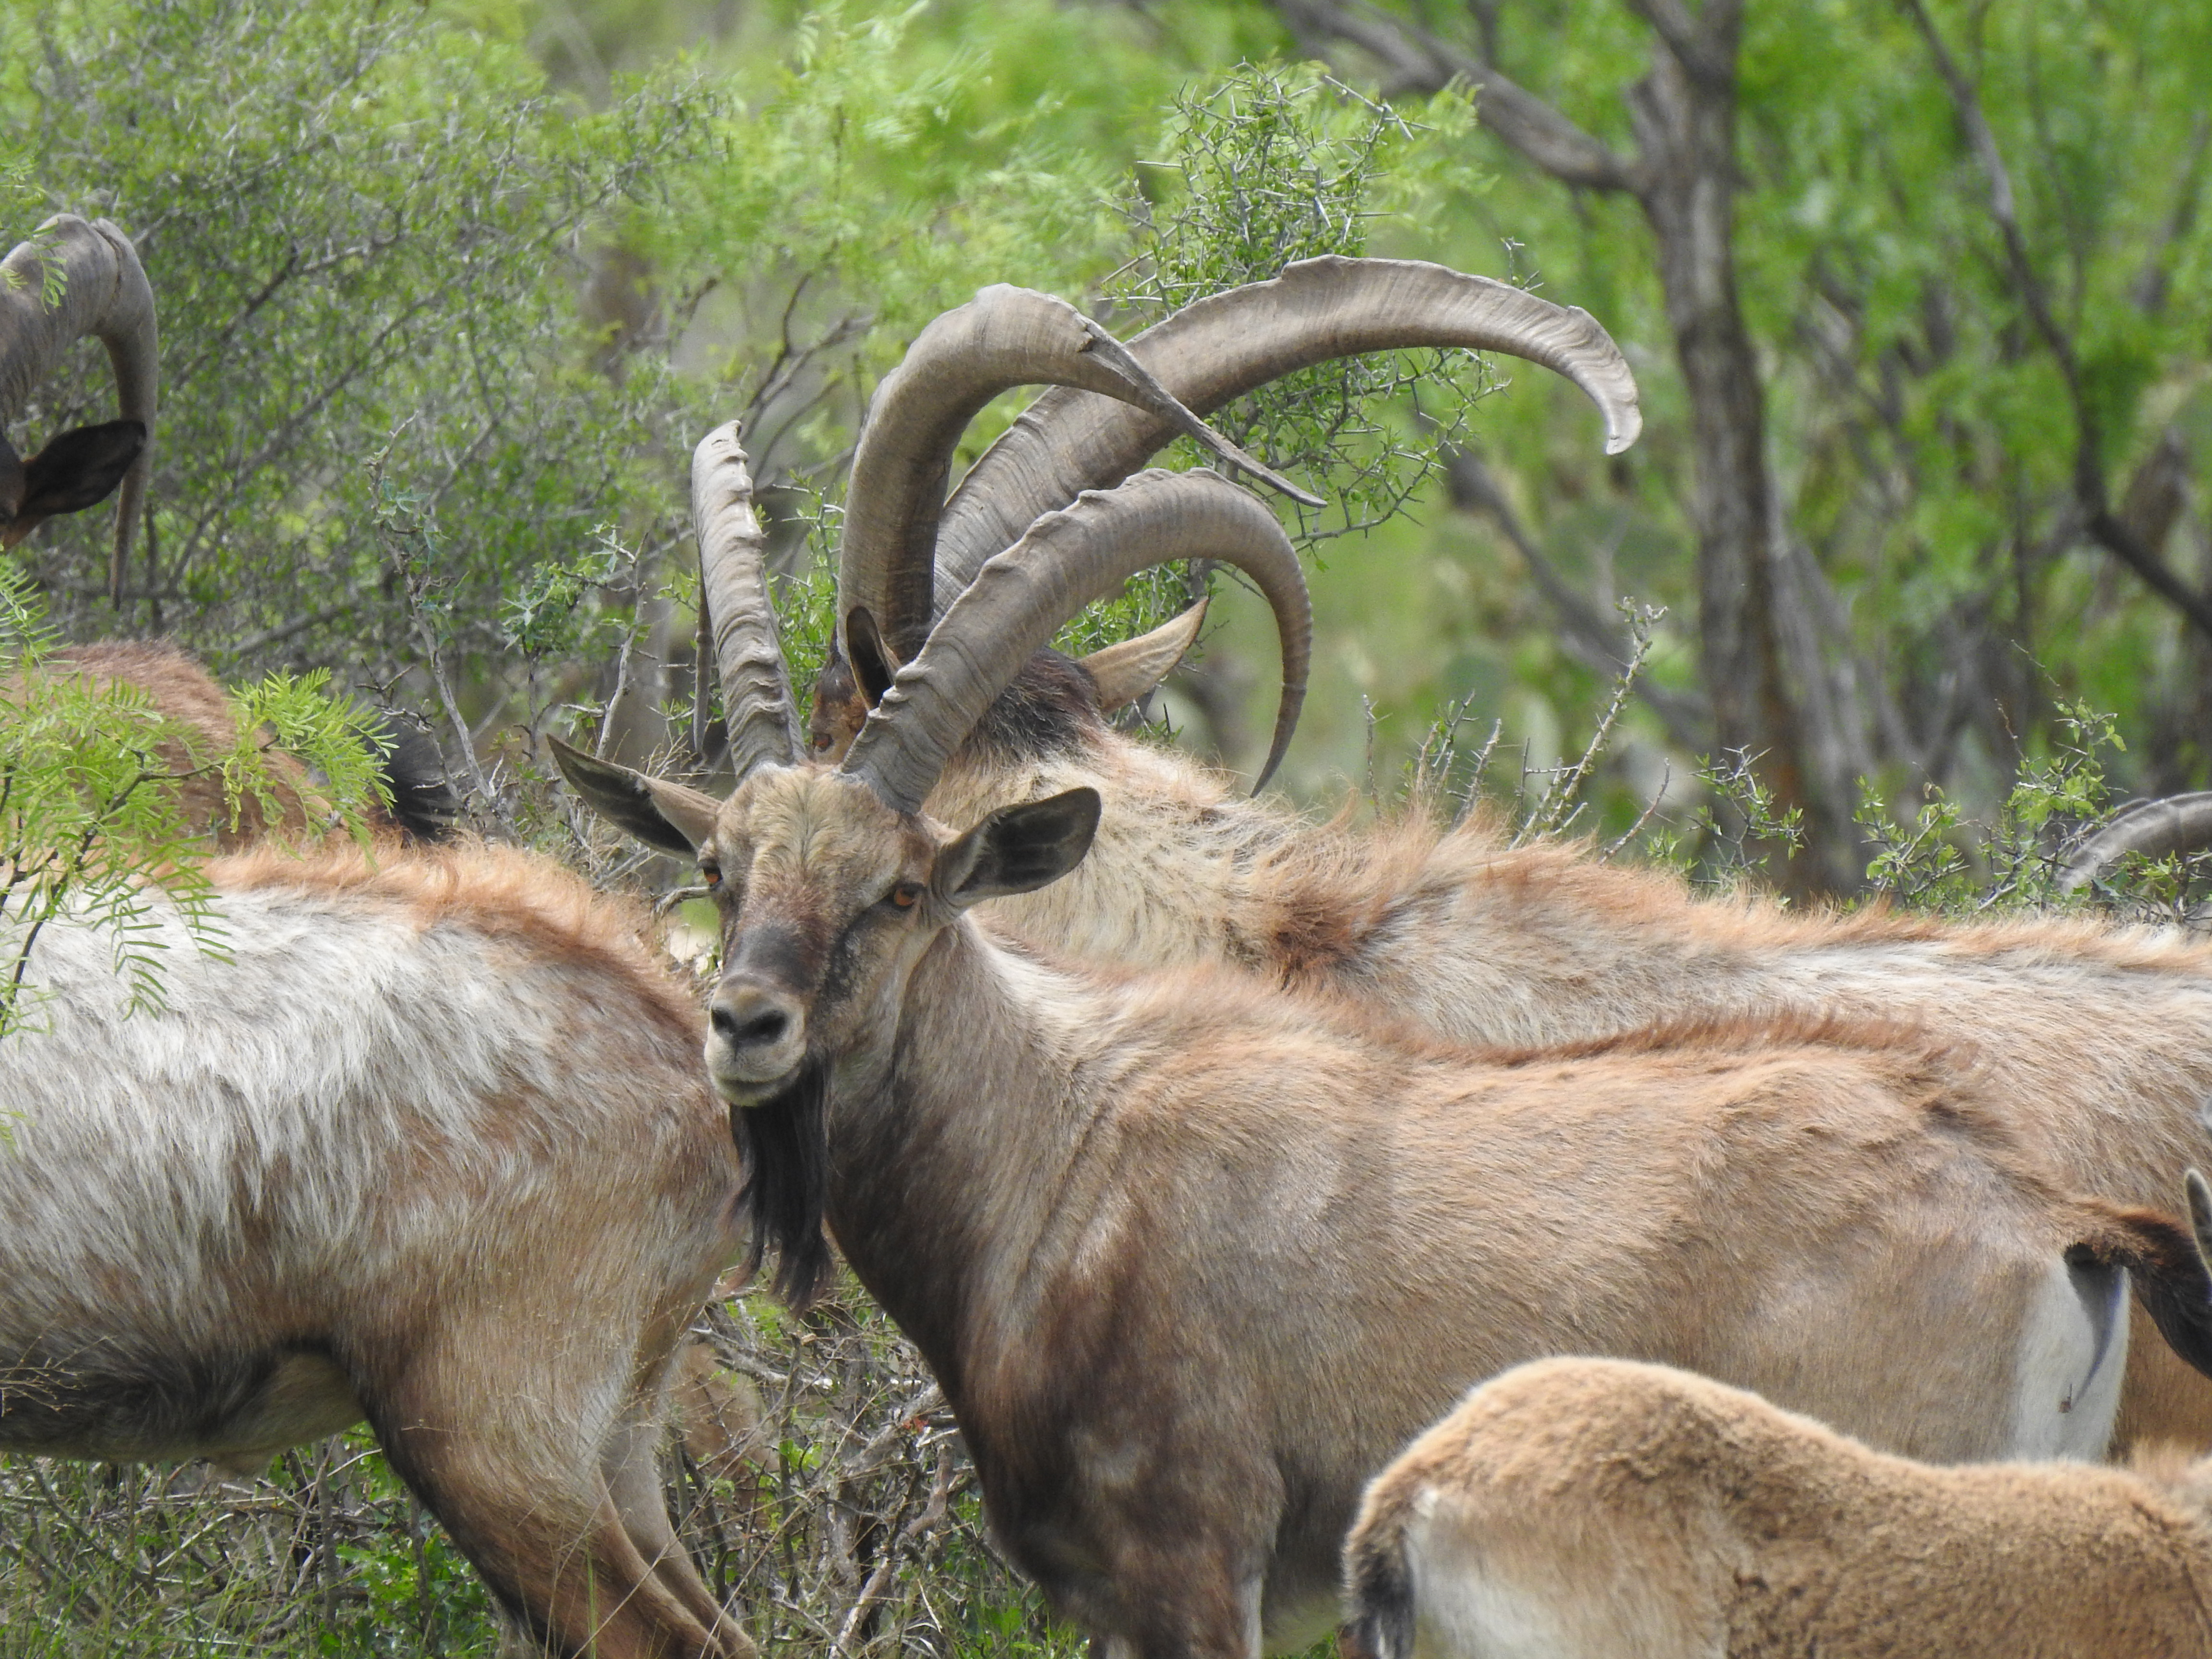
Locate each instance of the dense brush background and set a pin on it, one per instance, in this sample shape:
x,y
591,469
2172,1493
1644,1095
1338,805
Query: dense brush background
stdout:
x,y
447,292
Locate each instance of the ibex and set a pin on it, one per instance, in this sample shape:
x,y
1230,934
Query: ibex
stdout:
x,y
1598,1509
427,1144
1192,1257
104,293
2100,1037
370,1162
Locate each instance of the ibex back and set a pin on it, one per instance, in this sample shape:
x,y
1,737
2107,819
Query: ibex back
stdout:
x,y
2099,1040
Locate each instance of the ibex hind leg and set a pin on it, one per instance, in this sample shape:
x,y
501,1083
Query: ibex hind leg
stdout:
x,y
538,1523
631,1466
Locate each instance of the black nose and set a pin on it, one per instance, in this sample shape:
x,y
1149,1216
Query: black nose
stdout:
x,y
750,1030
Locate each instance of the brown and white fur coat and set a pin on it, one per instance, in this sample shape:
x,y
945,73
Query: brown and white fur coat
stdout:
x,y
2094,1043
425,1144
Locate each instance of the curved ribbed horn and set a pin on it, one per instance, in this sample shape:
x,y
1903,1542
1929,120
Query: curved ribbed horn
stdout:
x,y
1221,347
1021,598
2178,824
1004,337
757,704
104,292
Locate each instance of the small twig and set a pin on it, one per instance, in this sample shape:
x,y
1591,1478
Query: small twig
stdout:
x,y
1475,772
1570,787
1666,777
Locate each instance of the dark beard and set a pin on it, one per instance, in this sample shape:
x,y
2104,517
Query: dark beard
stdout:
x,y
785,1147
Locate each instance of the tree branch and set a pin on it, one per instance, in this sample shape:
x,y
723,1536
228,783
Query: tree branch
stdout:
x,y
2104,527
1703,44
1419,62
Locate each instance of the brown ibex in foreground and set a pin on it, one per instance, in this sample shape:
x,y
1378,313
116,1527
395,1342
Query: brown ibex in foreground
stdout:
x,y
2098,1040
1597,1508
1192,1258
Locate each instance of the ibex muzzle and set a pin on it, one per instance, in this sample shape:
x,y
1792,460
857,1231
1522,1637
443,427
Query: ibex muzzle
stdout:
x,y
757,1039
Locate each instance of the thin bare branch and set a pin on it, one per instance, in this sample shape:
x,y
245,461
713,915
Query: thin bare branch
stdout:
x,y
1420,62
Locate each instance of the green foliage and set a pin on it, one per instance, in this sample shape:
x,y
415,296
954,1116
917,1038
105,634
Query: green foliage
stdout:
x,y
1942,858
1268,165
363,224
1259,168
1921,440
93,821
549,617
322,1556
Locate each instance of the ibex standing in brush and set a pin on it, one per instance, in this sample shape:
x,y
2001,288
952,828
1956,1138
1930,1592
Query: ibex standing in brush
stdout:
x,y
1192,1258
427,1146
2099,1040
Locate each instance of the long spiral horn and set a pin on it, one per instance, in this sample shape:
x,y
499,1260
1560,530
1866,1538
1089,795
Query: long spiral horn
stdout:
x,y
1019,599
96,285
1219,348
1004,337
757,703
2152,829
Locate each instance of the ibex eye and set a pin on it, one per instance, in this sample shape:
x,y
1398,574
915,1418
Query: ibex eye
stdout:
x,y
711,875
820,740
907,895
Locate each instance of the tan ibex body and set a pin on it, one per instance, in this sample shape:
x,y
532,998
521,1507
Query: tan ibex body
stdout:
x,y
341,1121
2098,1040
1191,1257
1593,1509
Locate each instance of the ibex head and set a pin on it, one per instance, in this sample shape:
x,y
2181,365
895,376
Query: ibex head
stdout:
x,y
70,280
829,897
906,553
831,881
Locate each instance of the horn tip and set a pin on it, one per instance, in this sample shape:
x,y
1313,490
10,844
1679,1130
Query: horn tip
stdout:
x,y
1624,425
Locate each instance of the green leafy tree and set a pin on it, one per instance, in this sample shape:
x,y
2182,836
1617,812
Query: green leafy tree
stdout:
x,y
1945,384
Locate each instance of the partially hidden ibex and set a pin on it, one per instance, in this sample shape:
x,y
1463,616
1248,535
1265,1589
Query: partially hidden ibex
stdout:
x,y
424,1143
1598,1509
74,279
1192,1257
2098,1040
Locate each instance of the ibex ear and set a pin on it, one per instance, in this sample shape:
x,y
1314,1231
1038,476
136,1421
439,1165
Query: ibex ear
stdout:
x,y
1127,673
1017,849
663,815
79,469
872,661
